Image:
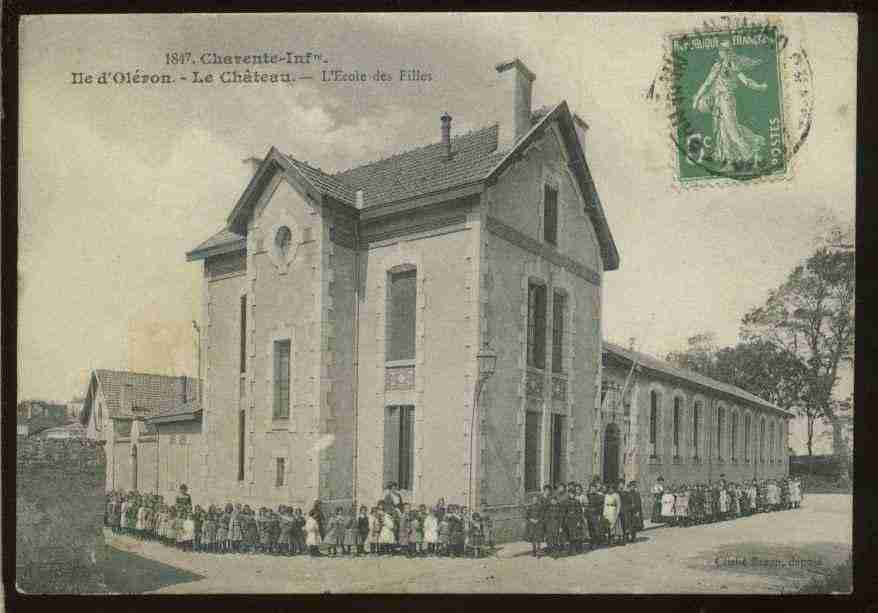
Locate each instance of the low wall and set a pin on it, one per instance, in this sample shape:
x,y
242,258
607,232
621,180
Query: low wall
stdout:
x,y
60,511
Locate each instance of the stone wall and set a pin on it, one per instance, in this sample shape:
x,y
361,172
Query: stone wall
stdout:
x,y
60,512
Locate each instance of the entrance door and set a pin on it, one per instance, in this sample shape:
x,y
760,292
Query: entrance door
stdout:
x,y
611,453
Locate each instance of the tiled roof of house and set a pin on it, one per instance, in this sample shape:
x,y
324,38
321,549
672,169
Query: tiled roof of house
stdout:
x,y
426,169
177,411
328,184
222,238
661,366
150,394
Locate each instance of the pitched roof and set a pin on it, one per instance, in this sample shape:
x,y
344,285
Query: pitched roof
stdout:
x,y
652,363
150,394
426,169
420,172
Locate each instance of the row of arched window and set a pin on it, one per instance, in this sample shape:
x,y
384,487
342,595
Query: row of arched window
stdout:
x,y
719,434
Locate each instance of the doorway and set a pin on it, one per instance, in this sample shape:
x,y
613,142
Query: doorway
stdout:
x,y
611,453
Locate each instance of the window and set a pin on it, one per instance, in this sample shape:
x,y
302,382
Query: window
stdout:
x,y
556,472
720,421
733,436
282,240
401,316
747,437
242,426
536,325
653,423
678,409
696,420
762,440
559,307
532,437
771,440
550,215
279,471
281,379
399,456
243,334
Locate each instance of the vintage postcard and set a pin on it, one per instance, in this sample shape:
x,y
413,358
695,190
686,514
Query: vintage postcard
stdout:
x,y
435,303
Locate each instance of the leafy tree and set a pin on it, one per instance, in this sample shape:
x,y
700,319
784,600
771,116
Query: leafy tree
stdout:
x,y
811,316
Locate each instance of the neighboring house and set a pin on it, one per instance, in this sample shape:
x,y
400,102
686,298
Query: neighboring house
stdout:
x,y
686,427
34,416
115,411
73,430
343,314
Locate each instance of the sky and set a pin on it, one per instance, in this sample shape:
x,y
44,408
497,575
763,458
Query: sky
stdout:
x,y
117,182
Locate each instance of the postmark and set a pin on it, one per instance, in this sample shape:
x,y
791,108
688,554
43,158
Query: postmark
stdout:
x,y
738,99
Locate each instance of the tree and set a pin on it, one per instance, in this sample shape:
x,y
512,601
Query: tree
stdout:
x,y
699,356
811,316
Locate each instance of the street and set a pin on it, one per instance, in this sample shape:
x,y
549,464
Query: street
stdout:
x,y
769,553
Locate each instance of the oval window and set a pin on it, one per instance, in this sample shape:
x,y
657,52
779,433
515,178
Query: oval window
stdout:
x,y
282,240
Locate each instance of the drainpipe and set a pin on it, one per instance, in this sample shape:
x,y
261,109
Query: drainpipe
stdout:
x,y
356,364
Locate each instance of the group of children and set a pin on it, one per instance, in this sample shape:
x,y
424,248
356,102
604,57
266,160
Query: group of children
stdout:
x,y
687,504
390,527
566,518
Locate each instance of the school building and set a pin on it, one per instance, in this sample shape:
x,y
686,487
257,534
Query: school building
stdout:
x,y
343,315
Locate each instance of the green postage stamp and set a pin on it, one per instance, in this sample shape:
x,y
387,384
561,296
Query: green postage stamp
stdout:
x,y
726,91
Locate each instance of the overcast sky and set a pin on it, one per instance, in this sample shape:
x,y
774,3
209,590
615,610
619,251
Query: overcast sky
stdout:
x,y
118,182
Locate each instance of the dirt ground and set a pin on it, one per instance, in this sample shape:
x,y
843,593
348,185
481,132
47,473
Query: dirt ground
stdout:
x,y
769,553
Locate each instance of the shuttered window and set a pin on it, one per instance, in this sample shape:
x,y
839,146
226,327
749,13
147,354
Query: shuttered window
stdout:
x,y
532,451
559,309
281,379
536,325
747,438
677,419
401,316
280,471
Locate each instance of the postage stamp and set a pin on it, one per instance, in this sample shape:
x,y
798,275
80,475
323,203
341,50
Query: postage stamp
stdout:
x,y
732,119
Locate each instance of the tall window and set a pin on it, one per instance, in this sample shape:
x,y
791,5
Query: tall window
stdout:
x,y
401,316
532,430
536,325
733,437
720,423
558,446
242,426
550,215
747,437
279,471
678,410
771,442
762,440
559,307
653,423
243,335
399,448
281,379
696,421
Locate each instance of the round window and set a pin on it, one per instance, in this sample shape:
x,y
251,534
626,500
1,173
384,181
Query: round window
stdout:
x,y
282,240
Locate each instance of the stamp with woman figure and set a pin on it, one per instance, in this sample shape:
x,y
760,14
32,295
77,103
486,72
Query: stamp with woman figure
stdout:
x,y
728,109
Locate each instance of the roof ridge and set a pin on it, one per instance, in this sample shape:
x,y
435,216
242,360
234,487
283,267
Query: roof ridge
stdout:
x,y
149,374
414,149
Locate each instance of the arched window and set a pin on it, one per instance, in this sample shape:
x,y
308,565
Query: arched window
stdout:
x,y
720,422
678,418
762,440
733,435
747,437
654,404
771,440
696,422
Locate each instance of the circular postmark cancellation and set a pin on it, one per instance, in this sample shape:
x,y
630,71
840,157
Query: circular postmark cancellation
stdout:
x,y
739,99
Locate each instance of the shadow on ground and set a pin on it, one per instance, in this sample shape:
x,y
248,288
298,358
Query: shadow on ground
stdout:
x,y
128,573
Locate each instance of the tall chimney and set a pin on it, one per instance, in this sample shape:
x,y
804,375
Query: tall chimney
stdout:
x,y
446,134
514,115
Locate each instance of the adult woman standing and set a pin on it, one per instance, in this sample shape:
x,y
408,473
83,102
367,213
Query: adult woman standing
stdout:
x,y
612,507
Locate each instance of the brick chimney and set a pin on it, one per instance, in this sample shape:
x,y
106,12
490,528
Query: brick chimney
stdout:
x,y
446,134
514,113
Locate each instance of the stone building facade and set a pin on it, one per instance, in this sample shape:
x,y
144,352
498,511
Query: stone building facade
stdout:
x,y
655,419
344,313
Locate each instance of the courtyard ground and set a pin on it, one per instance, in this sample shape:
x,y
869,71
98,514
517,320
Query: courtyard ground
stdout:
x,y
769,553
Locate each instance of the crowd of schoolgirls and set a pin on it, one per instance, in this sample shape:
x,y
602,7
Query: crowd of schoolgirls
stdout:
x,y
688,504
565,519
391,526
